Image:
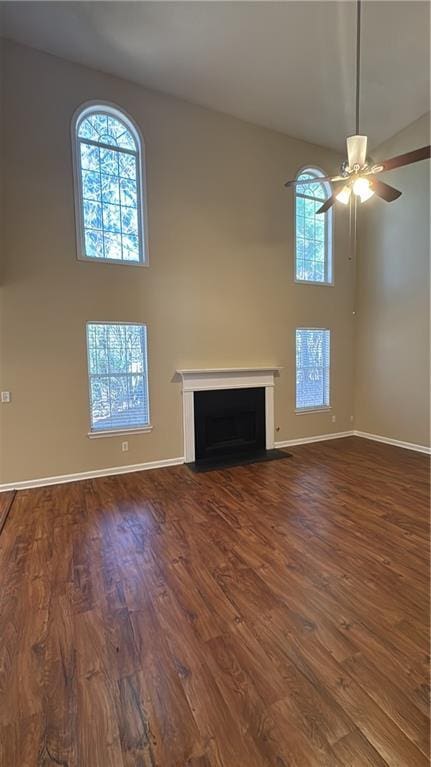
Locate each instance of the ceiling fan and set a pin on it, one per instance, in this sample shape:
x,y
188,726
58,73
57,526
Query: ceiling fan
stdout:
x,y
358,175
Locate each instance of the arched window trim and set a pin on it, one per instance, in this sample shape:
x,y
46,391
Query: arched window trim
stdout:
x,y
329,231
80,114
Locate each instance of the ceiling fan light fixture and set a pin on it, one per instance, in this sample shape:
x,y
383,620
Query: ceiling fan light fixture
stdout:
x,y
362,188
344,195
356,151
366,195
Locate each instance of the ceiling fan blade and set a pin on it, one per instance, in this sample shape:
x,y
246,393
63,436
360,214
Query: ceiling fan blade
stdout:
x,y
316,180
327,204
339,182
424,153
386,192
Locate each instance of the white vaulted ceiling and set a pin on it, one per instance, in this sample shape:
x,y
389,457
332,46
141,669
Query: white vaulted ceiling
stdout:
x,y
284,65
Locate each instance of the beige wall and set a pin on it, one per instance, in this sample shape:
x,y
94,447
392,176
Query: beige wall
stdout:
x,y
392,387
2,441
218,291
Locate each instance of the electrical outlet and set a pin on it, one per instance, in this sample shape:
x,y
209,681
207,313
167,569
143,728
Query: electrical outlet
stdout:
x,y
351,419
334,418
124,447
5,396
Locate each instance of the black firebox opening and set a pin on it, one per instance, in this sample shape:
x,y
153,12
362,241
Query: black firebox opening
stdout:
x,y
228,423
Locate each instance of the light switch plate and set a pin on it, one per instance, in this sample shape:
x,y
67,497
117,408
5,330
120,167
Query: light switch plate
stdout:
x,y
5,396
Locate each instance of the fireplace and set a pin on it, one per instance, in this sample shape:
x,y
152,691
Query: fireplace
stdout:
x,y
235,413
229,423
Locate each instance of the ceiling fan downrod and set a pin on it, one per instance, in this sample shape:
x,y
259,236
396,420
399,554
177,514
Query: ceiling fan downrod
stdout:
x,y
357,144
358,61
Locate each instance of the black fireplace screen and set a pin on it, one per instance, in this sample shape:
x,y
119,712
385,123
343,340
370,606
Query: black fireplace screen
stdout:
x,y
229,422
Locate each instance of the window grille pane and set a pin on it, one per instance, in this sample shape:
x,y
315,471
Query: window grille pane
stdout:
x,y
130,248
313,236
109,162
312,368
128,193
118,377
92,215
89,157
110,189
90,185
94,244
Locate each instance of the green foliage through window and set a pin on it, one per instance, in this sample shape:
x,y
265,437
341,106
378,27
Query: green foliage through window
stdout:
x,y
312,368
108,175
118,379
313,232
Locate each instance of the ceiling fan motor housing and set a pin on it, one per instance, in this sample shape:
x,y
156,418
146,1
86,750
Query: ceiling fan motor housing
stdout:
x,y
357,151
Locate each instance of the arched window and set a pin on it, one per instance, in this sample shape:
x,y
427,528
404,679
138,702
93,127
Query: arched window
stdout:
x,y
110,194
313,232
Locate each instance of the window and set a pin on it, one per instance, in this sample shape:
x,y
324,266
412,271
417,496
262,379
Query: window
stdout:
x,y
313,238
109,187
117,373
312,368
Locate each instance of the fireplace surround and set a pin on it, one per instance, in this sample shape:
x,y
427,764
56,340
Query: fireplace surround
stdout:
x,y
233,424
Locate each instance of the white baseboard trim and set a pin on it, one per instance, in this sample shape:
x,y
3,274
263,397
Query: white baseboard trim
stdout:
x,y
355,433
395,442
316,438
60,479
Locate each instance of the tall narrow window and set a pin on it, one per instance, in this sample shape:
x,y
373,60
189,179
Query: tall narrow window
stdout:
x,y
118,378
109,187
312,368
313,240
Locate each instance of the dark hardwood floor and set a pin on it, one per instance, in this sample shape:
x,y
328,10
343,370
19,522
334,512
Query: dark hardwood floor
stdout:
x,y
6,499
273,614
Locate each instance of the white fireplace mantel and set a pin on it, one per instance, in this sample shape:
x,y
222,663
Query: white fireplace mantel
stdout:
x,y
225,378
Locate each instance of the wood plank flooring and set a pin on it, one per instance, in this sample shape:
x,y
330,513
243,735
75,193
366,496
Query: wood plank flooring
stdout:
x,y
6,499
267,615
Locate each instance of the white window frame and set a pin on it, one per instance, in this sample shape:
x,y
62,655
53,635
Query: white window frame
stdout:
x,y
99,433
316,408
329,232
105,107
